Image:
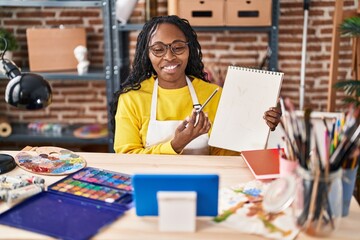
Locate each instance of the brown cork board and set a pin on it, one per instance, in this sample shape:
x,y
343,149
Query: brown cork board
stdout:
x,y
53,49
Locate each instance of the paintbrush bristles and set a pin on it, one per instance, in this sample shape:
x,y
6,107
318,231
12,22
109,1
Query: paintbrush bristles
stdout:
x,y
301,140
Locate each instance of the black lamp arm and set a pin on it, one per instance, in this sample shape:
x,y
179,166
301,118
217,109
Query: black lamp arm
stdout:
x,y
5,48
11,70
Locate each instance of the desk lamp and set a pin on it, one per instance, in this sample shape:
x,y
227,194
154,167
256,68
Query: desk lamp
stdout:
x,y
25,91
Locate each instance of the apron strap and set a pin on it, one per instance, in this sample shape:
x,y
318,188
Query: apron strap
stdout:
x,y
194,98
154,101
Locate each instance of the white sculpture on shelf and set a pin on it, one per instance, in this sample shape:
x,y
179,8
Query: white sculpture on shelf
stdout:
x,y
80,53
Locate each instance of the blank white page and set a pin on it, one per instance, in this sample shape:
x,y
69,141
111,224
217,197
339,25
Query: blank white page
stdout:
x,y
246,95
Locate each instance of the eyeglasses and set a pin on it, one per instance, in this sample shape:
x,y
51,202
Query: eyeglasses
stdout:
x,y
177,47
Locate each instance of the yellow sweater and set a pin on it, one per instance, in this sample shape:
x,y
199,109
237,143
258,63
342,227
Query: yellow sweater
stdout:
x,y
133,115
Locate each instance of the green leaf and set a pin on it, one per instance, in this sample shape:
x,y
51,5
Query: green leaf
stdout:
x,y
350,27
11,40
351,89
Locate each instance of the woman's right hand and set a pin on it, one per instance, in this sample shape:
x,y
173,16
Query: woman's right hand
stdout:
x,y
190,129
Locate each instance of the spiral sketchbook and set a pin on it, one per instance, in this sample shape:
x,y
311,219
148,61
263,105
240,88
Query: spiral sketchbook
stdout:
x,y
247,94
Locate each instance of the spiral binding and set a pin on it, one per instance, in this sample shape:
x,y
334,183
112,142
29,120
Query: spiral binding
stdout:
x,y
250,69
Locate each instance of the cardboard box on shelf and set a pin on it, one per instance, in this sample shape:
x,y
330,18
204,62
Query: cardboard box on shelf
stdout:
x,y
52,49
199,13
248,12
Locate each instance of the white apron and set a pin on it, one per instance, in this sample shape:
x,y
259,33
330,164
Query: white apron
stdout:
x,y
162,131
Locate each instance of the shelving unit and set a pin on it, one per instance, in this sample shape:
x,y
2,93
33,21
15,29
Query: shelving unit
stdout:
x,y
121,36
20,133
117,60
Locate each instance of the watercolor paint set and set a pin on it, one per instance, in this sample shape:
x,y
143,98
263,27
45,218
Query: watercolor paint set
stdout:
x,y
75,207
111,188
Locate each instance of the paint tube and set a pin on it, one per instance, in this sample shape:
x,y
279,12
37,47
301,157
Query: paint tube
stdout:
x,y
23,192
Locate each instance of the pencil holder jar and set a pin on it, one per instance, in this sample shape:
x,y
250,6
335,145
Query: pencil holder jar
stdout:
x,y
318,201
287,167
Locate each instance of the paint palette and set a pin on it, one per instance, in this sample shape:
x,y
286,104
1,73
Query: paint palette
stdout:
x,y
50,161
91,131
96,184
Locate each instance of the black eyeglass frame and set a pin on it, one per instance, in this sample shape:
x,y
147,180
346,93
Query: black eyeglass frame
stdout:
x,y
167,46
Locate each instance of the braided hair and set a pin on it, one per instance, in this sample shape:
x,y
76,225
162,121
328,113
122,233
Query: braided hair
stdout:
x,y
142,68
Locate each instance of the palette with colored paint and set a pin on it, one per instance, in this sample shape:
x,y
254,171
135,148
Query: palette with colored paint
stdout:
x,y
99,176
50,161
91,131
97,184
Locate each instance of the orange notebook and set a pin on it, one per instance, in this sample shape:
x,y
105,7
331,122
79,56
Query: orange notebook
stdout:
x,y
264,163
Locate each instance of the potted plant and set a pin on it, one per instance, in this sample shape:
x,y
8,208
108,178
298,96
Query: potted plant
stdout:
x,y
11,45
350,27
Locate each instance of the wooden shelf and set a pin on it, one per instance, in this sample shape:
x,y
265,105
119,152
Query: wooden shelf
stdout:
x,y
138,27
53,3
93,74
21,134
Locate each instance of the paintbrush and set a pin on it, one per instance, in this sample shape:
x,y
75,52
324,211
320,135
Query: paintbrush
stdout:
x,y
350,137
345,148
307,140
294,125
202,106
325,125
294,151
207,100
314,194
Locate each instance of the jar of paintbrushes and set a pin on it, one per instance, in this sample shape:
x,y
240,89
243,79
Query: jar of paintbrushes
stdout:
x,y
321,157
318,201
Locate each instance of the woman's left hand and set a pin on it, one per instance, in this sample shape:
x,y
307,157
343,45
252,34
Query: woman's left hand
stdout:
x,y
272,117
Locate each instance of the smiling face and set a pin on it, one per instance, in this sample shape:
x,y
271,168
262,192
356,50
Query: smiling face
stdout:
x,y
170,68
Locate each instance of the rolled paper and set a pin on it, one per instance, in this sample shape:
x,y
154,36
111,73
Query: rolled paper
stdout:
x,y
5,127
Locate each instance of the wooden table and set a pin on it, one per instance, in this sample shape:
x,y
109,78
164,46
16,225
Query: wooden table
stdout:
x,y
232,170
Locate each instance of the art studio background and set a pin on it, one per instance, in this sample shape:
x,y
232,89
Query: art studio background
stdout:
x,y
82,101
105,40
